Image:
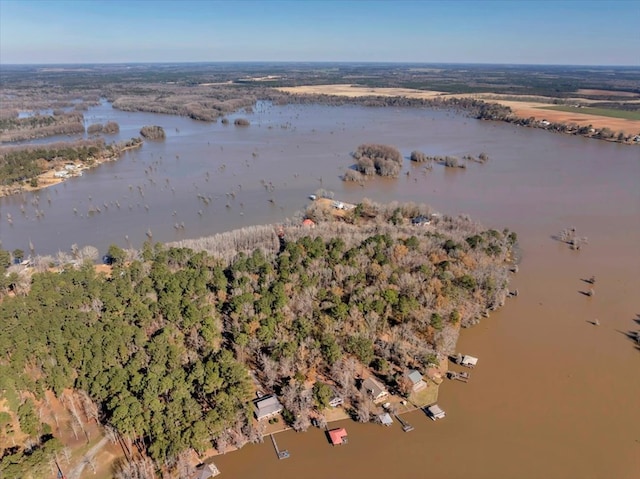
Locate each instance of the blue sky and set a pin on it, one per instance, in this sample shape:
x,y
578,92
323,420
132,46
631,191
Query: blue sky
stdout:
x,y
579,32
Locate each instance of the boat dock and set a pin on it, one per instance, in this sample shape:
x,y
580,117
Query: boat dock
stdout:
x,y
406,427
463,376
281,454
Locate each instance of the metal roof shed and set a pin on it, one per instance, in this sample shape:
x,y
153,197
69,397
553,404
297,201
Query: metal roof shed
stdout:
x,y
338,436
469,361
435,412
385,419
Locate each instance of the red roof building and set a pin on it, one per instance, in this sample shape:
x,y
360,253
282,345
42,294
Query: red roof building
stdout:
x,y
338,436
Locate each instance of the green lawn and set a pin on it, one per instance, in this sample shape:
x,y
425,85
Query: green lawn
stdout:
x,y
610,112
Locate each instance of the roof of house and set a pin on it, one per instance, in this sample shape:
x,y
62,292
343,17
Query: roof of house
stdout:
x,y
414,376
337,435
267,405
421,219
373,387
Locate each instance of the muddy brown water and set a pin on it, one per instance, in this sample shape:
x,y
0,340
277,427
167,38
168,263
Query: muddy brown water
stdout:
x,y
553,396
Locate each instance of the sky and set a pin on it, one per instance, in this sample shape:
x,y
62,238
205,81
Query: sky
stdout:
x,y
571,32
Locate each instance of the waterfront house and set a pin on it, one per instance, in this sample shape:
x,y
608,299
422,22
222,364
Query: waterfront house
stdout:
x,y
268,406
417,383
435,412
374,389
338,436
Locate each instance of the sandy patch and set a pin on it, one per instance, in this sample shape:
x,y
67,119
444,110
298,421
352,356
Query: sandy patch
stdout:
x,y
44,180
103,268
330,205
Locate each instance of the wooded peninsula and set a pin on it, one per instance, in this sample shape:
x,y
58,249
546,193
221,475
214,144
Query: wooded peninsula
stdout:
x,y
168,347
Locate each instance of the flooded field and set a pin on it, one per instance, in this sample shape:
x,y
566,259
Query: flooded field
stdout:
x,y
553,396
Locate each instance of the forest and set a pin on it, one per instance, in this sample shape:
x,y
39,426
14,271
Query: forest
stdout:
x,y
168,348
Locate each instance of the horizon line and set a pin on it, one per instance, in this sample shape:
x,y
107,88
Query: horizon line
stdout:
x,y
341,62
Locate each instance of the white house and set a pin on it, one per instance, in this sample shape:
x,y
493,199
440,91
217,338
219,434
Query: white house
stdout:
x,y
268,406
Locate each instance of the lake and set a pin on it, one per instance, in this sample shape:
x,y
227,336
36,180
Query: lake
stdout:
x,y
552,396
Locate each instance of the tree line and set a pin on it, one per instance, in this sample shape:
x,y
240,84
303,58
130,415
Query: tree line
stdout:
x,y
38,126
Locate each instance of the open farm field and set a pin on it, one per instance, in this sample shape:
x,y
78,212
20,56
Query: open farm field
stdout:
x,y
608,112
594,92
576,115
354,91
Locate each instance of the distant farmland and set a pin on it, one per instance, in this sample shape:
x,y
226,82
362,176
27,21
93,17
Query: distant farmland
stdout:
x,y
609,112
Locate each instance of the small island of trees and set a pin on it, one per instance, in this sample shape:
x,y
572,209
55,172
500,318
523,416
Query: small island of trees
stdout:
x,y
153,132
374,159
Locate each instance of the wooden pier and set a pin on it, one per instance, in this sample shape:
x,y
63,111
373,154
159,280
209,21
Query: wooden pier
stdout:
x,y
281,454
406,427
462,376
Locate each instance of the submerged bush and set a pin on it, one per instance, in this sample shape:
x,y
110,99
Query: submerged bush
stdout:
x,y
419,156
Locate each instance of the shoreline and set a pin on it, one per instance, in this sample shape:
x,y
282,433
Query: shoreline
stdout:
x,y
523,109
48,178
338,414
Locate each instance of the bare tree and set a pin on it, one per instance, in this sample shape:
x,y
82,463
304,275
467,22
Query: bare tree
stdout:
x,y
269,370
362,408
88,253
136,468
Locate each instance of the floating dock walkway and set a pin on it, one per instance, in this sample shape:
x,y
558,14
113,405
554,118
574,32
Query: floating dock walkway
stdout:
x,y
463,376
281,454
406,427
